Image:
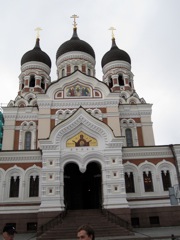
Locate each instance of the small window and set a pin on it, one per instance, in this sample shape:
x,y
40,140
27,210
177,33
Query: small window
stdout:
x,y
135,222
120,80
129,140
42,83
21,105
110,82
75,68
154,220
148,183
129,182
63,72
27,142
166,180
34,186
96,112
89,72
32,81
14,187
32,226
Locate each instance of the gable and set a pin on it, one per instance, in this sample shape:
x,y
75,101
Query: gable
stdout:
x,y
98,134
77,85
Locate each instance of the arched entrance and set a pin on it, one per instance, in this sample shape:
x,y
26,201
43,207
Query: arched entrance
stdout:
x,y
82,190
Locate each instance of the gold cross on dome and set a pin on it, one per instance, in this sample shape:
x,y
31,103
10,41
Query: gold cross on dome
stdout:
x,y
112,30
74,16
38,29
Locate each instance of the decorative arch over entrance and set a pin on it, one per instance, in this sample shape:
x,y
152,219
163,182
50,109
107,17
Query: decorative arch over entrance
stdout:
x,y
82,190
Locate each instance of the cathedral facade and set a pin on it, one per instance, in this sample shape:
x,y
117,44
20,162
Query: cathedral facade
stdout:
x,y
82,143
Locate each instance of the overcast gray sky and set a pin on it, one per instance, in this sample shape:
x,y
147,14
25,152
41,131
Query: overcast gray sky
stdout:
x,y
148,30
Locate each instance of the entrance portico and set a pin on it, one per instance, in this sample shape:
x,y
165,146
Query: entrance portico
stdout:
x,y
82,176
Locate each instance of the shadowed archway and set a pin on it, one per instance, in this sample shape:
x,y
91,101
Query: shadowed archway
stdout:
x,y
82,190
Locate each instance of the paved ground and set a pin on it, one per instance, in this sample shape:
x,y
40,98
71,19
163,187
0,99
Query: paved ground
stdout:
x,y
163,233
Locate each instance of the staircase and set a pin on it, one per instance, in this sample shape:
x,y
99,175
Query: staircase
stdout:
x,y
67,229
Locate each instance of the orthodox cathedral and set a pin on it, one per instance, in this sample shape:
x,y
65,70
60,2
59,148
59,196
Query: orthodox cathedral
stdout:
x,y
83,143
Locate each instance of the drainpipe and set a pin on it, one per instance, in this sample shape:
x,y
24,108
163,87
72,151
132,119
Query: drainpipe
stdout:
x,y
176,162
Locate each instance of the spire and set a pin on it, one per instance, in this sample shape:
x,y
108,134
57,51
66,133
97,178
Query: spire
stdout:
x,y
37,45
75,44
74,36
112,29
74,23
38,29
115,54
36,54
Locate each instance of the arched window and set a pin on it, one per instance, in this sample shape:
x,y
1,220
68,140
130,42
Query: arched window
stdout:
x,y
110,82
148,183
75,68
27,142
129,139
129,182
120,80
14,187
89,72
21,104
34,186
63,72
42,83
28,132
32,81
166,180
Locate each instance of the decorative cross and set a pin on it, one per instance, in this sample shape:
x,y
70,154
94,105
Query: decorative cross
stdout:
x,y
38,29
112,30
74,16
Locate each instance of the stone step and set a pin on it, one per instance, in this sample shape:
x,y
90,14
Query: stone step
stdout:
x,y
74,218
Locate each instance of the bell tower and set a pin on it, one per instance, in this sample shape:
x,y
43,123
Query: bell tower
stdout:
x,y
116,66
35,70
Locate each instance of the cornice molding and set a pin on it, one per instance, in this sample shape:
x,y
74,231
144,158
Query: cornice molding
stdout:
x,y
115,145
85,103
35,65
136,113
19,160
48,147
21,117
146,153
75,55
116,64
19,157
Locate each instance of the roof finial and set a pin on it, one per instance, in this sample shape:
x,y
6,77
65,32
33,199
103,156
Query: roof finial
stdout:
x,y
38,29
112,30
74,16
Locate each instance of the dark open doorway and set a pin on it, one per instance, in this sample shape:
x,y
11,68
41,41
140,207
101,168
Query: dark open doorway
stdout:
x,y
82,190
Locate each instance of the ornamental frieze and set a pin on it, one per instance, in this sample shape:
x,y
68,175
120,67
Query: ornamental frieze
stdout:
x,y
20,159
77,103
148,154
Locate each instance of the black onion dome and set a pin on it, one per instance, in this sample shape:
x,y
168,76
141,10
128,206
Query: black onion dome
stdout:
x,y
36,54
115,54
75,44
